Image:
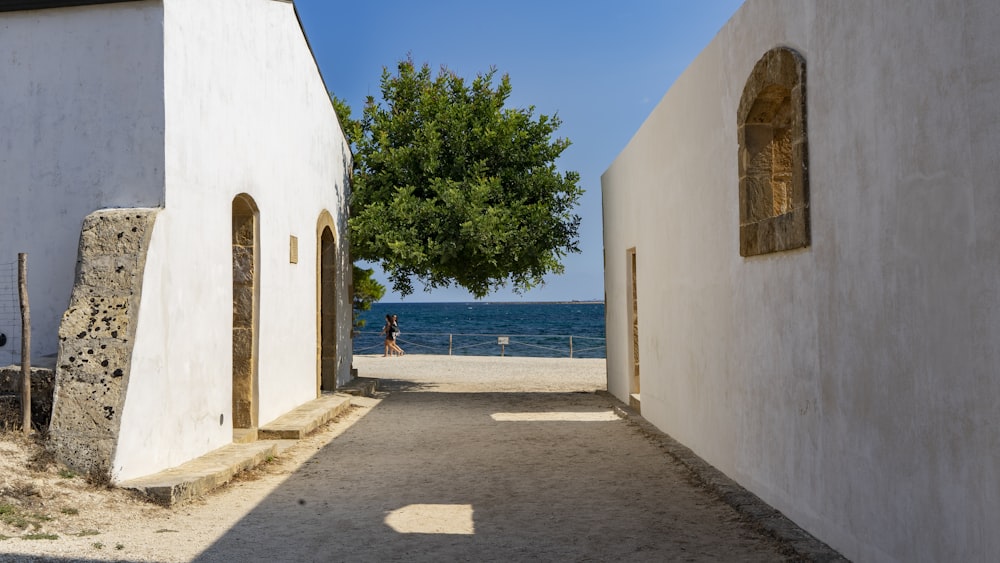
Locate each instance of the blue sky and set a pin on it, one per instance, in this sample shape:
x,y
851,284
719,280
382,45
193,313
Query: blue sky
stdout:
x,y
600,66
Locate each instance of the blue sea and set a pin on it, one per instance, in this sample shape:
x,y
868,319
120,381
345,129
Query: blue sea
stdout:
x,y
556,330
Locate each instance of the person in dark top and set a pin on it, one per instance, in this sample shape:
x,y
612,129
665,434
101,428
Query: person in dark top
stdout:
x,y
391,331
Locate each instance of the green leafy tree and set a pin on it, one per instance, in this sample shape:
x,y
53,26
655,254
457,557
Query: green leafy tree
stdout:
x,y
367,290
451,187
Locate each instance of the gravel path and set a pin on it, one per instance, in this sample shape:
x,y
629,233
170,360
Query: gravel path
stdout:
x,y
457,459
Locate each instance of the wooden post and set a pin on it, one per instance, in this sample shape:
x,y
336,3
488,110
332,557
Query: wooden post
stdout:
x,y
449,344
22,290
570,346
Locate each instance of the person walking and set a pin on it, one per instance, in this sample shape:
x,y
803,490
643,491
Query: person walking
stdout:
x,y
395,335
387,331
391,330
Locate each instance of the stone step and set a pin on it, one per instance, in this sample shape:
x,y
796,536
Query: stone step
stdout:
x,y
251,447
244,435
635,402
302,420
360,387
200,475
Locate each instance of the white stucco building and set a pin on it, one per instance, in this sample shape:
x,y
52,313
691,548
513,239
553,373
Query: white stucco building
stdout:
x,y
802,260
186,153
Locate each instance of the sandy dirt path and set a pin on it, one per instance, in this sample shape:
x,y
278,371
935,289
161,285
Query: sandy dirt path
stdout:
x,y
457,459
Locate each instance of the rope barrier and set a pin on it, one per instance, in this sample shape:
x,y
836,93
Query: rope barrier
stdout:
x,y
445,343
513,342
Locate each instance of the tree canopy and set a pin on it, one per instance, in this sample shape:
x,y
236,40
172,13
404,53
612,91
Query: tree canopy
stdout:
x,y
451,187
366,291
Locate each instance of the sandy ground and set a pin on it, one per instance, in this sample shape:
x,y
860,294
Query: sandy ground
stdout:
x,y
456,459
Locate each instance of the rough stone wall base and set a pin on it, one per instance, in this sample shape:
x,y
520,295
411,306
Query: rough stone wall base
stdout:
x,y
96,337
10,397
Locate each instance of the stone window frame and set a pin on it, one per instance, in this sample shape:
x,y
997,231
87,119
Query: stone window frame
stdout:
x,y
773,156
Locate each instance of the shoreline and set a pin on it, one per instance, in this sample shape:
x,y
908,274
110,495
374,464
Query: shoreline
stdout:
x,y
570,302
488,373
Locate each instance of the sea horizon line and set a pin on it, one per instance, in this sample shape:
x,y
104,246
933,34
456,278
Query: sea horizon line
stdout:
x,y
558,302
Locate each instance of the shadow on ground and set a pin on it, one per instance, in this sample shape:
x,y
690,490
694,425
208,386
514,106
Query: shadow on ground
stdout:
x,y
429,476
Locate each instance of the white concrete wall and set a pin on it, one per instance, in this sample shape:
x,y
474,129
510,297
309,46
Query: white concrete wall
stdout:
x,y
81,129
852,384
246,112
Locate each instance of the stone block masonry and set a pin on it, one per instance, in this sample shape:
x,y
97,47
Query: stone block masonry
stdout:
x,y
96,338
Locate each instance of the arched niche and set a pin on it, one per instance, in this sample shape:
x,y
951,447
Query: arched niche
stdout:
x,y
773,155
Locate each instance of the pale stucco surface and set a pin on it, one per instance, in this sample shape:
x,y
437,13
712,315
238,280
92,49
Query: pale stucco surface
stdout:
x,y
850,384
82,122
181,105
247,112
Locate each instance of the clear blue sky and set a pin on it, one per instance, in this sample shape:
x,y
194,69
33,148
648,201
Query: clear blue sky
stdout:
x,y
601,66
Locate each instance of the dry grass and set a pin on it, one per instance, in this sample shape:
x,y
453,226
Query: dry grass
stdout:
x,y
42,500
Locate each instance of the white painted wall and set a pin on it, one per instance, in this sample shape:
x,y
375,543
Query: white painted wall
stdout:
x,y
81,129
246,112
852,384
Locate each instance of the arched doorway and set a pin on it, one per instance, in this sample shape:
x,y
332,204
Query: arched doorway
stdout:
x,y
246,299
327,302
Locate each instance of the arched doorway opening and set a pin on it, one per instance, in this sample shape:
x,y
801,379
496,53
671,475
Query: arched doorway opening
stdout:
x,y
327,303
246,301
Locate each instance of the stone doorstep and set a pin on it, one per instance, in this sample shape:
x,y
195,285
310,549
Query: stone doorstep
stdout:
x,y
218,467
359,386
201,475
244,435
300,421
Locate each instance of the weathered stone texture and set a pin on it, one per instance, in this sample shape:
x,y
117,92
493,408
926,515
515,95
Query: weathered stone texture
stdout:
x,y
772,158
244,295
96,338
243,265
243,228
243,392
242,301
